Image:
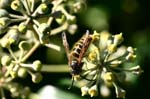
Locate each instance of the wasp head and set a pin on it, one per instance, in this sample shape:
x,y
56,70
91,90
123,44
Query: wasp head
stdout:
x,y
76,67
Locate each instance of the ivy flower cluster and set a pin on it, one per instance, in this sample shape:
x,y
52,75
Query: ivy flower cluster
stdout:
x,y
103,65
24,26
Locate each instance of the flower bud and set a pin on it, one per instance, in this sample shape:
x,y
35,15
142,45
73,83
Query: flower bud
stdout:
x,y
84,90
131,49
61,20
22,27
43,8
78,6
93,91
5,21
3,13
37,65
72,28
22,72
17,5
5,43
5,60
14,36
3,29
104,90
36,78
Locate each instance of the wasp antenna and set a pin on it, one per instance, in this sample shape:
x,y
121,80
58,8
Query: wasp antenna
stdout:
x,y
71,83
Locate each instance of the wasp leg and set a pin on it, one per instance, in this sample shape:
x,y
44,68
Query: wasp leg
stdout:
x,y
71,83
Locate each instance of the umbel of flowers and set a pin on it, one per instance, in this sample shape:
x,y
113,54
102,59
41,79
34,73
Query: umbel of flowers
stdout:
x,y
103,65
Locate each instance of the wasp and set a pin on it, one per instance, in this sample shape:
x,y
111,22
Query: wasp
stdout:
x,y
77,53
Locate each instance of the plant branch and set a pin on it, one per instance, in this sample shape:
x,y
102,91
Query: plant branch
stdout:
x,y
59,29
37,44
55,68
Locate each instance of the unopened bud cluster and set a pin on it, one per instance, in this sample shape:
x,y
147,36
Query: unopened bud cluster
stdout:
x,y
24,26
103,65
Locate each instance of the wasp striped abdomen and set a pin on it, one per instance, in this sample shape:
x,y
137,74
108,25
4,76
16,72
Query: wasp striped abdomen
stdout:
x,y
77,53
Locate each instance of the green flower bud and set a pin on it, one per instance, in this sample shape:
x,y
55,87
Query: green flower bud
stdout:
x,y
17,5
36,78
5,60
61,20
5,21
3,13
72,28
37,65
3,29
22,27
78,6
22,72
24,45
43,8
5,43
14,35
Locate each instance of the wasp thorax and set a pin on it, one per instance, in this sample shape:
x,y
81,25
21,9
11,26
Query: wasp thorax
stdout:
x,y
74,63
76,68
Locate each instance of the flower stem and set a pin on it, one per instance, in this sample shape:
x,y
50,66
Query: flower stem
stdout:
x,y
26,5
17,16
55,68
2,93
37,44
59,29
